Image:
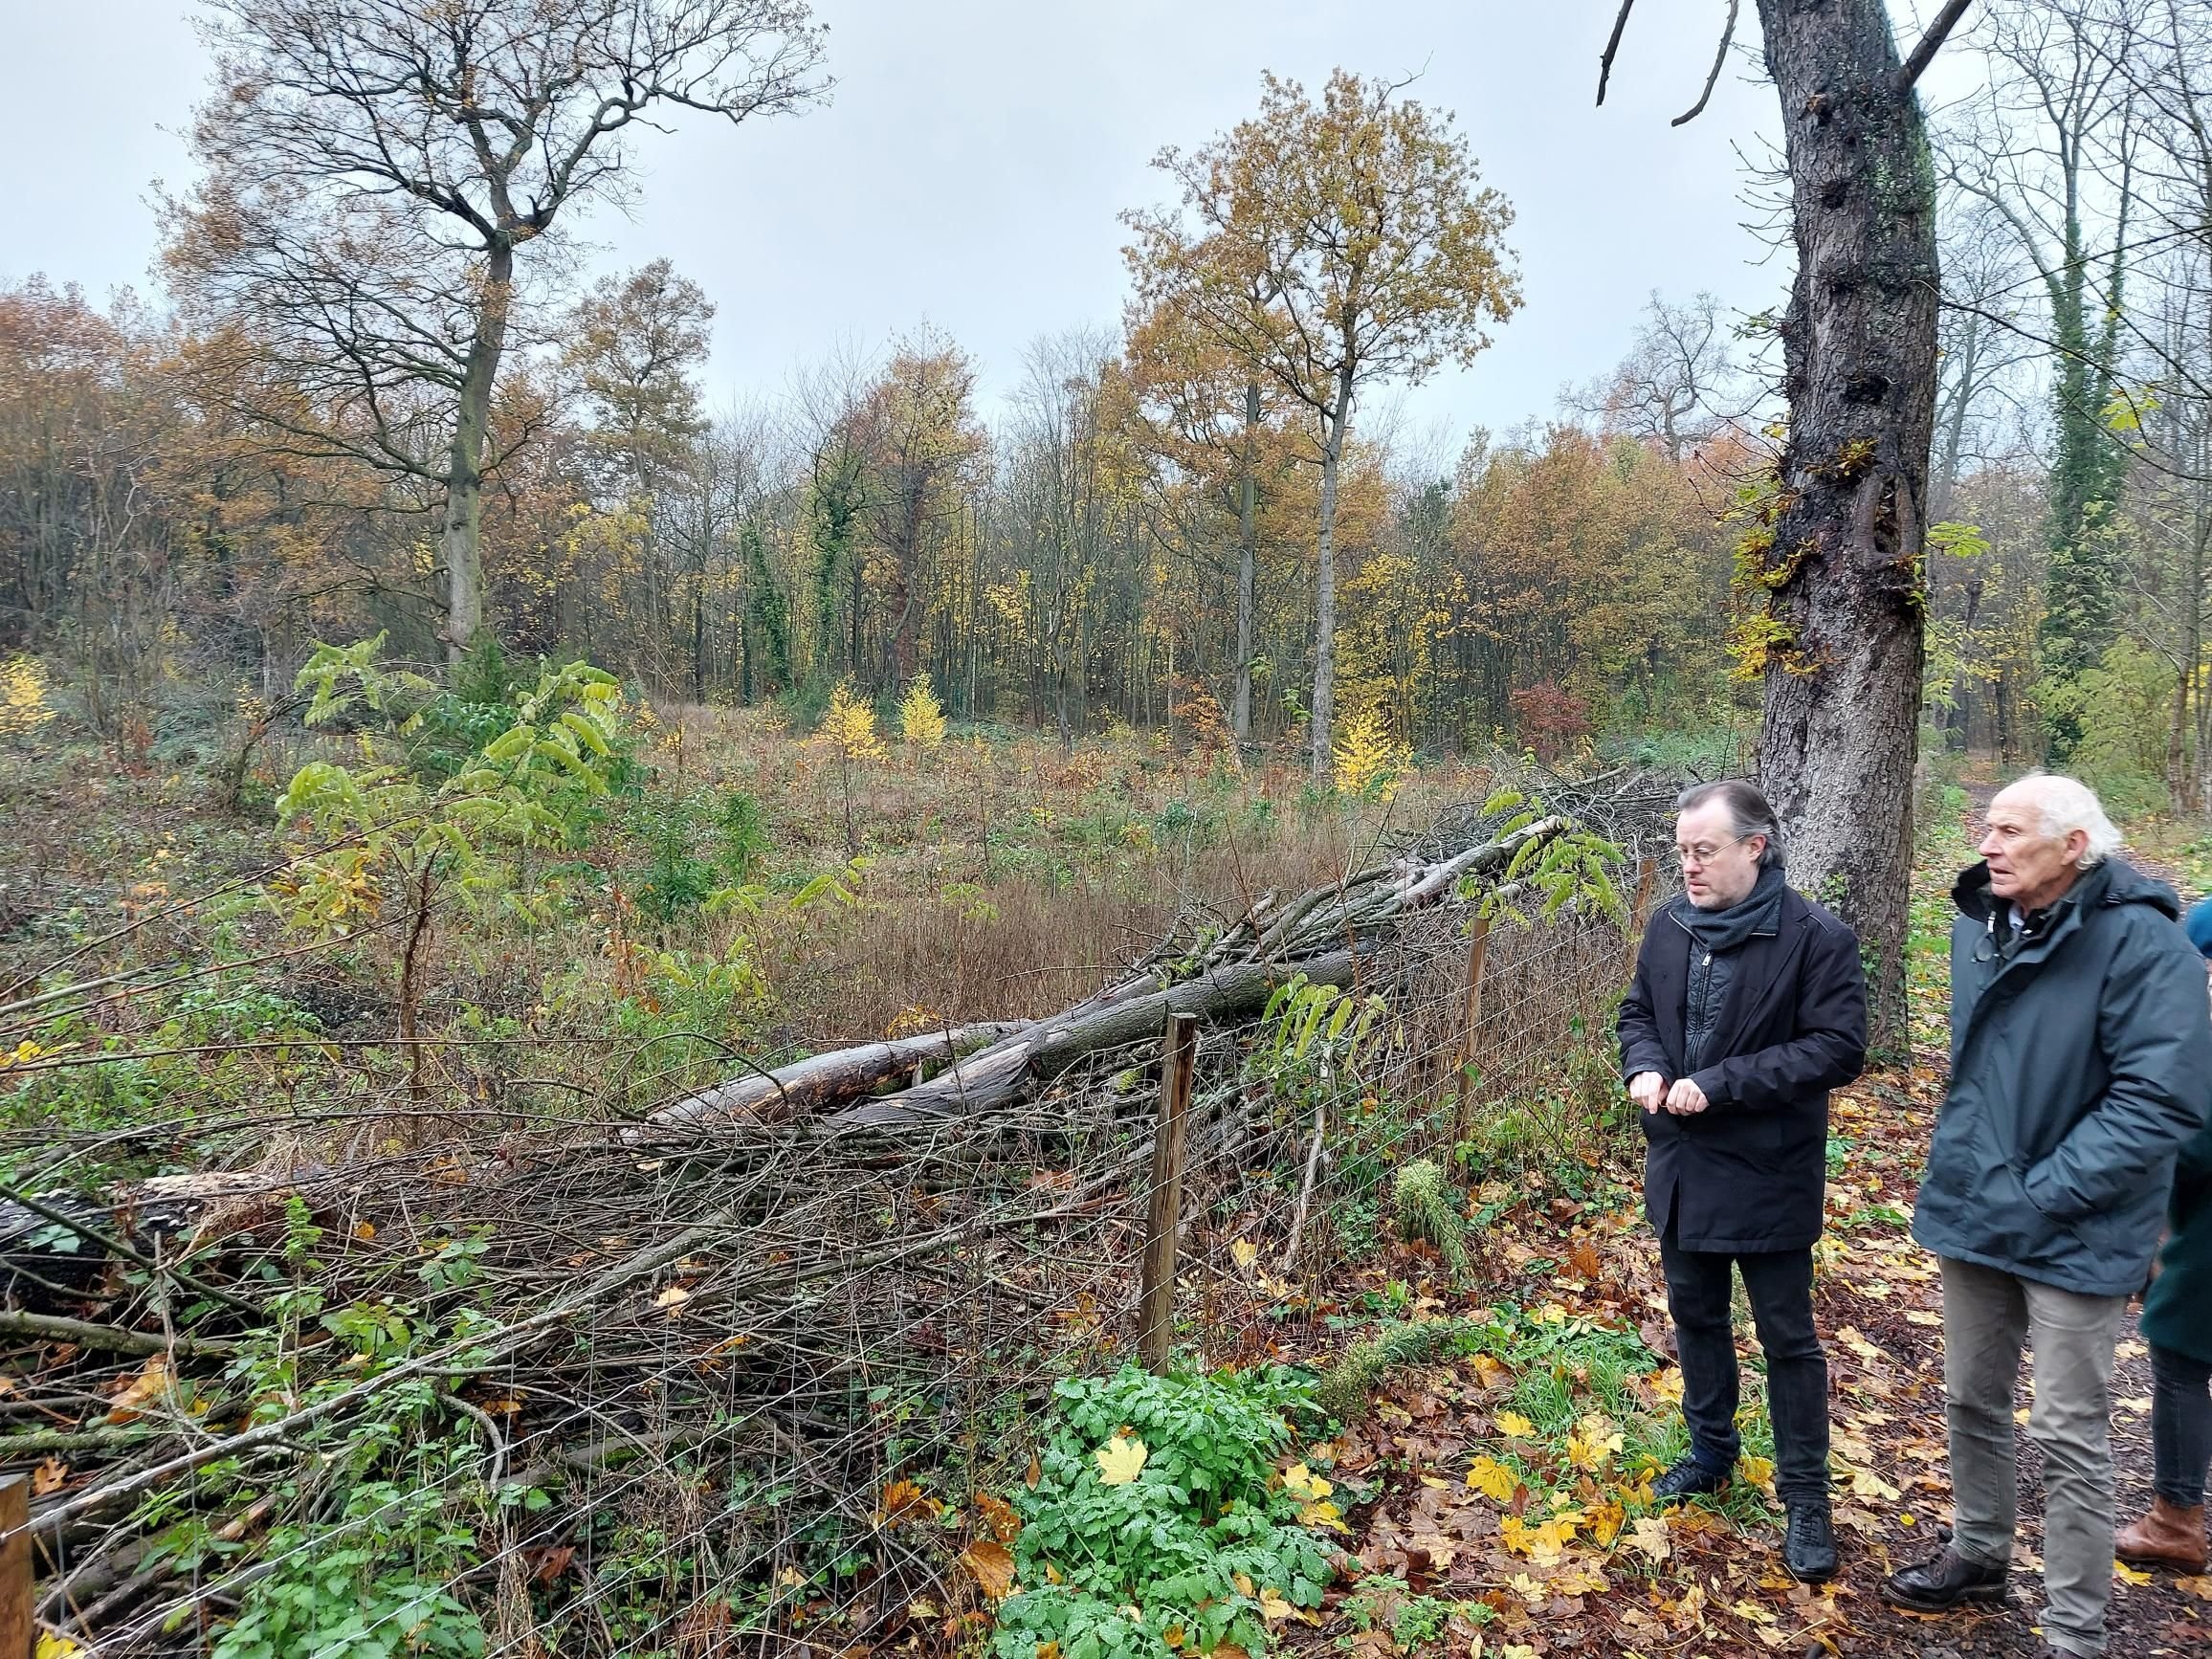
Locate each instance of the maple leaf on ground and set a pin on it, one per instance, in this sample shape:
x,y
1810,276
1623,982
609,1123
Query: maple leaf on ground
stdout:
x,y
905,1501
1865,1483
1592,1442
1648,1533
1490,1371
149,1384
1545,1544
1120,1460
1493,1479
1604,1523
991,1564
999,1515
2128,1575
1302,1482
1515,1427
1859,1345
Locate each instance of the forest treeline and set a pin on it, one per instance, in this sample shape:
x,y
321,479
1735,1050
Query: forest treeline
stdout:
x,y
200,488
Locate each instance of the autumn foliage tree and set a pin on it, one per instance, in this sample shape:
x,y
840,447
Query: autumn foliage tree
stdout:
x,y
1330,246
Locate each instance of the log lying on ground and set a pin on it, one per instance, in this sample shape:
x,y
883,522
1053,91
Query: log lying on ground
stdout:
x,y
842,1075
1322,933
1005,1075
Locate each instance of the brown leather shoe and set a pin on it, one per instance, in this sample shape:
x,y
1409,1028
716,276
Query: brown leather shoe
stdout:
x,y
2168,1537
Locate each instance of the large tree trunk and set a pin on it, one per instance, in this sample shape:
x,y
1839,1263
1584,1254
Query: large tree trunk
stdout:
x,y
1842,672
460,545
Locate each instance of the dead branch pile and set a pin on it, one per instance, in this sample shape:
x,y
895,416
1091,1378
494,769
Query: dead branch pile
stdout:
x,y
600,1384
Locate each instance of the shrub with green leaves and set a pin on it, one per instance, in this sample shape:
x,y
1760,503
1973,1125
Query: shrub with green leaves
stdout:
x,y
1159,1509
372,1586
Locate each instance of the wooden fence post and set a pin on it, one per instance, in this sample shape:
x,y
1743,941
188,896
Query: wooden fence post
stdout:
x,y
1156,1299
1462,1099
17,1633
1647,868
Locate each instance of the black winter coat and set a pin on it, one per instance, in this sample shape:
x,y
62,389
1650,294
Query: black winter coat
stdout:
x,y
2080,1064
1750,1172
2177,1308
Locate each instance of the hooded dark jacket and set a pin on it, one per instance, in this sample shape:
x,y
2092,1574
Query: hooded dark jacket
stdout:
x,y
1749,1173
2081,1060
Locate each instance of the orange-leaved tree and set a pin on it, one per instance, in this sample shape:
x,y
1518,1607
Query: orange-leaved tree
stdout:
x,y
1329,246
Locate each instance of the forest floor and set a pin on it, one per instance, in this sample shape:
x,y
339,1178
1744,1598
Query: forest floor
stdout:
x,y
1561,1553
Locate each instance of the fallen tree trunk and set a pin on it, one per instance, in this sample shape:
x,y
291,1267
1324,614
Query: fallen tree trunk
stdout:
x,y
1005,1075
1323,934
826,1079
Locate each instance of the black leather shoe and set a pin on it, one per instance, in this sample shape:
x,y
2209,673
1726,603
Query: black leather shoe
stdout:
x,y
1687,1478
1944,1582
1808,1546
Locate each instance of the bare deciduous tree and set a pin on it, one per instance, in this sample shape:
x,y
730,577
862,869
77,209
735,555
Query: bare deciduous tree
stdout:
x,y
1679,384
374,169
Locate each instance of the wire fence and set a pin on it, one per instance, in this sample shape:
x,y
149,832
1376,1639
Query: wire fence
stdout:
x,y
590,1388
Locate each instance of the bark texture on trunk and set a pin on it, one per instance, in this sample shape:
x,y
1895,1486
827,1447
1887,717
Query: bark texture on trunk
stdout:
x,y
460,543
1844,665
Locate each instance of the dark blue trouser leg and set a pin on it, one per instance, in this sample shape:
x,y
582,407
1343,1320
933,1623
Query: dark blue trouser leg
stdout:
x,y
2180,1425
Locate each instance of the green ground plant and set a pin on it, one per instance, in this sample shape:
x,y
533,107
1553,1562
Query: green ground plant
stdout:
x,y
1161,1522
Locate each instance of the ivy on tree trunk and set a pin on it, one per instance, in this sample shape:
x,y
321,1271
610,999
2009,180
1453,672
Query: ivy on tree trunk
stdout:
x,y
1843,664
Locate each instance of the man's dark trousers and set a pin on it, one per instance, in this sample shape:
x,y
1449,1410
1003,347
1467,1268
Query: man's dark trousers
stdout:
x,y
1779,1283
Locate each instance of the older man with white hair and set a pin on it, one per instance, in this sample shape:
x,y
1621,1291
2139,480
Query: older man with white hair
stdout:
x,y
2081,1061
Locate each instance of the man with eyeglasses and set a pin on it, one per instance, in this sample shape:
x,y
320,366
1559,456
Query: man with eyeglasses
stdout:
x,y
2081,1062
1749,1004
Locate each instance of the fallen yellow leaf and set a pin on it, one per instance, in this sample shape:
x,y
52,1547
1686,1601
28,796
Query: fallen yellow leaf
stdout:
x,y
1515,1427
1592,1441
1493,1480
151,1384
2128,1575
1120,1460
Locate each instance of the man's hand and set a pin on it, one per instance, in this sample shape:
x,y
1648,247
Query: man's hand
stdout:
x,y
1685,1098
1647,1089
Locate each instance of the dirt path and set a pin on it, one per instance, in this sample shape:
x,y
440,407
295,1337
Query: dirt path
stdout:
x,y
1496,1500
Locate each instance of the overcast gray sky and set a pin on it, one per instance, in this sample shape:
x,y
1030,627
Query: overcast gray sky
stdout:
x,y
970,165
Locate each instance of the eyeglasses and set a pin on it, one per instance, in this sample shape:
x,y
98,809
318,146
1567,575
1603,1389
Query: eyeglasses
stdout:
x,y
1685,857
